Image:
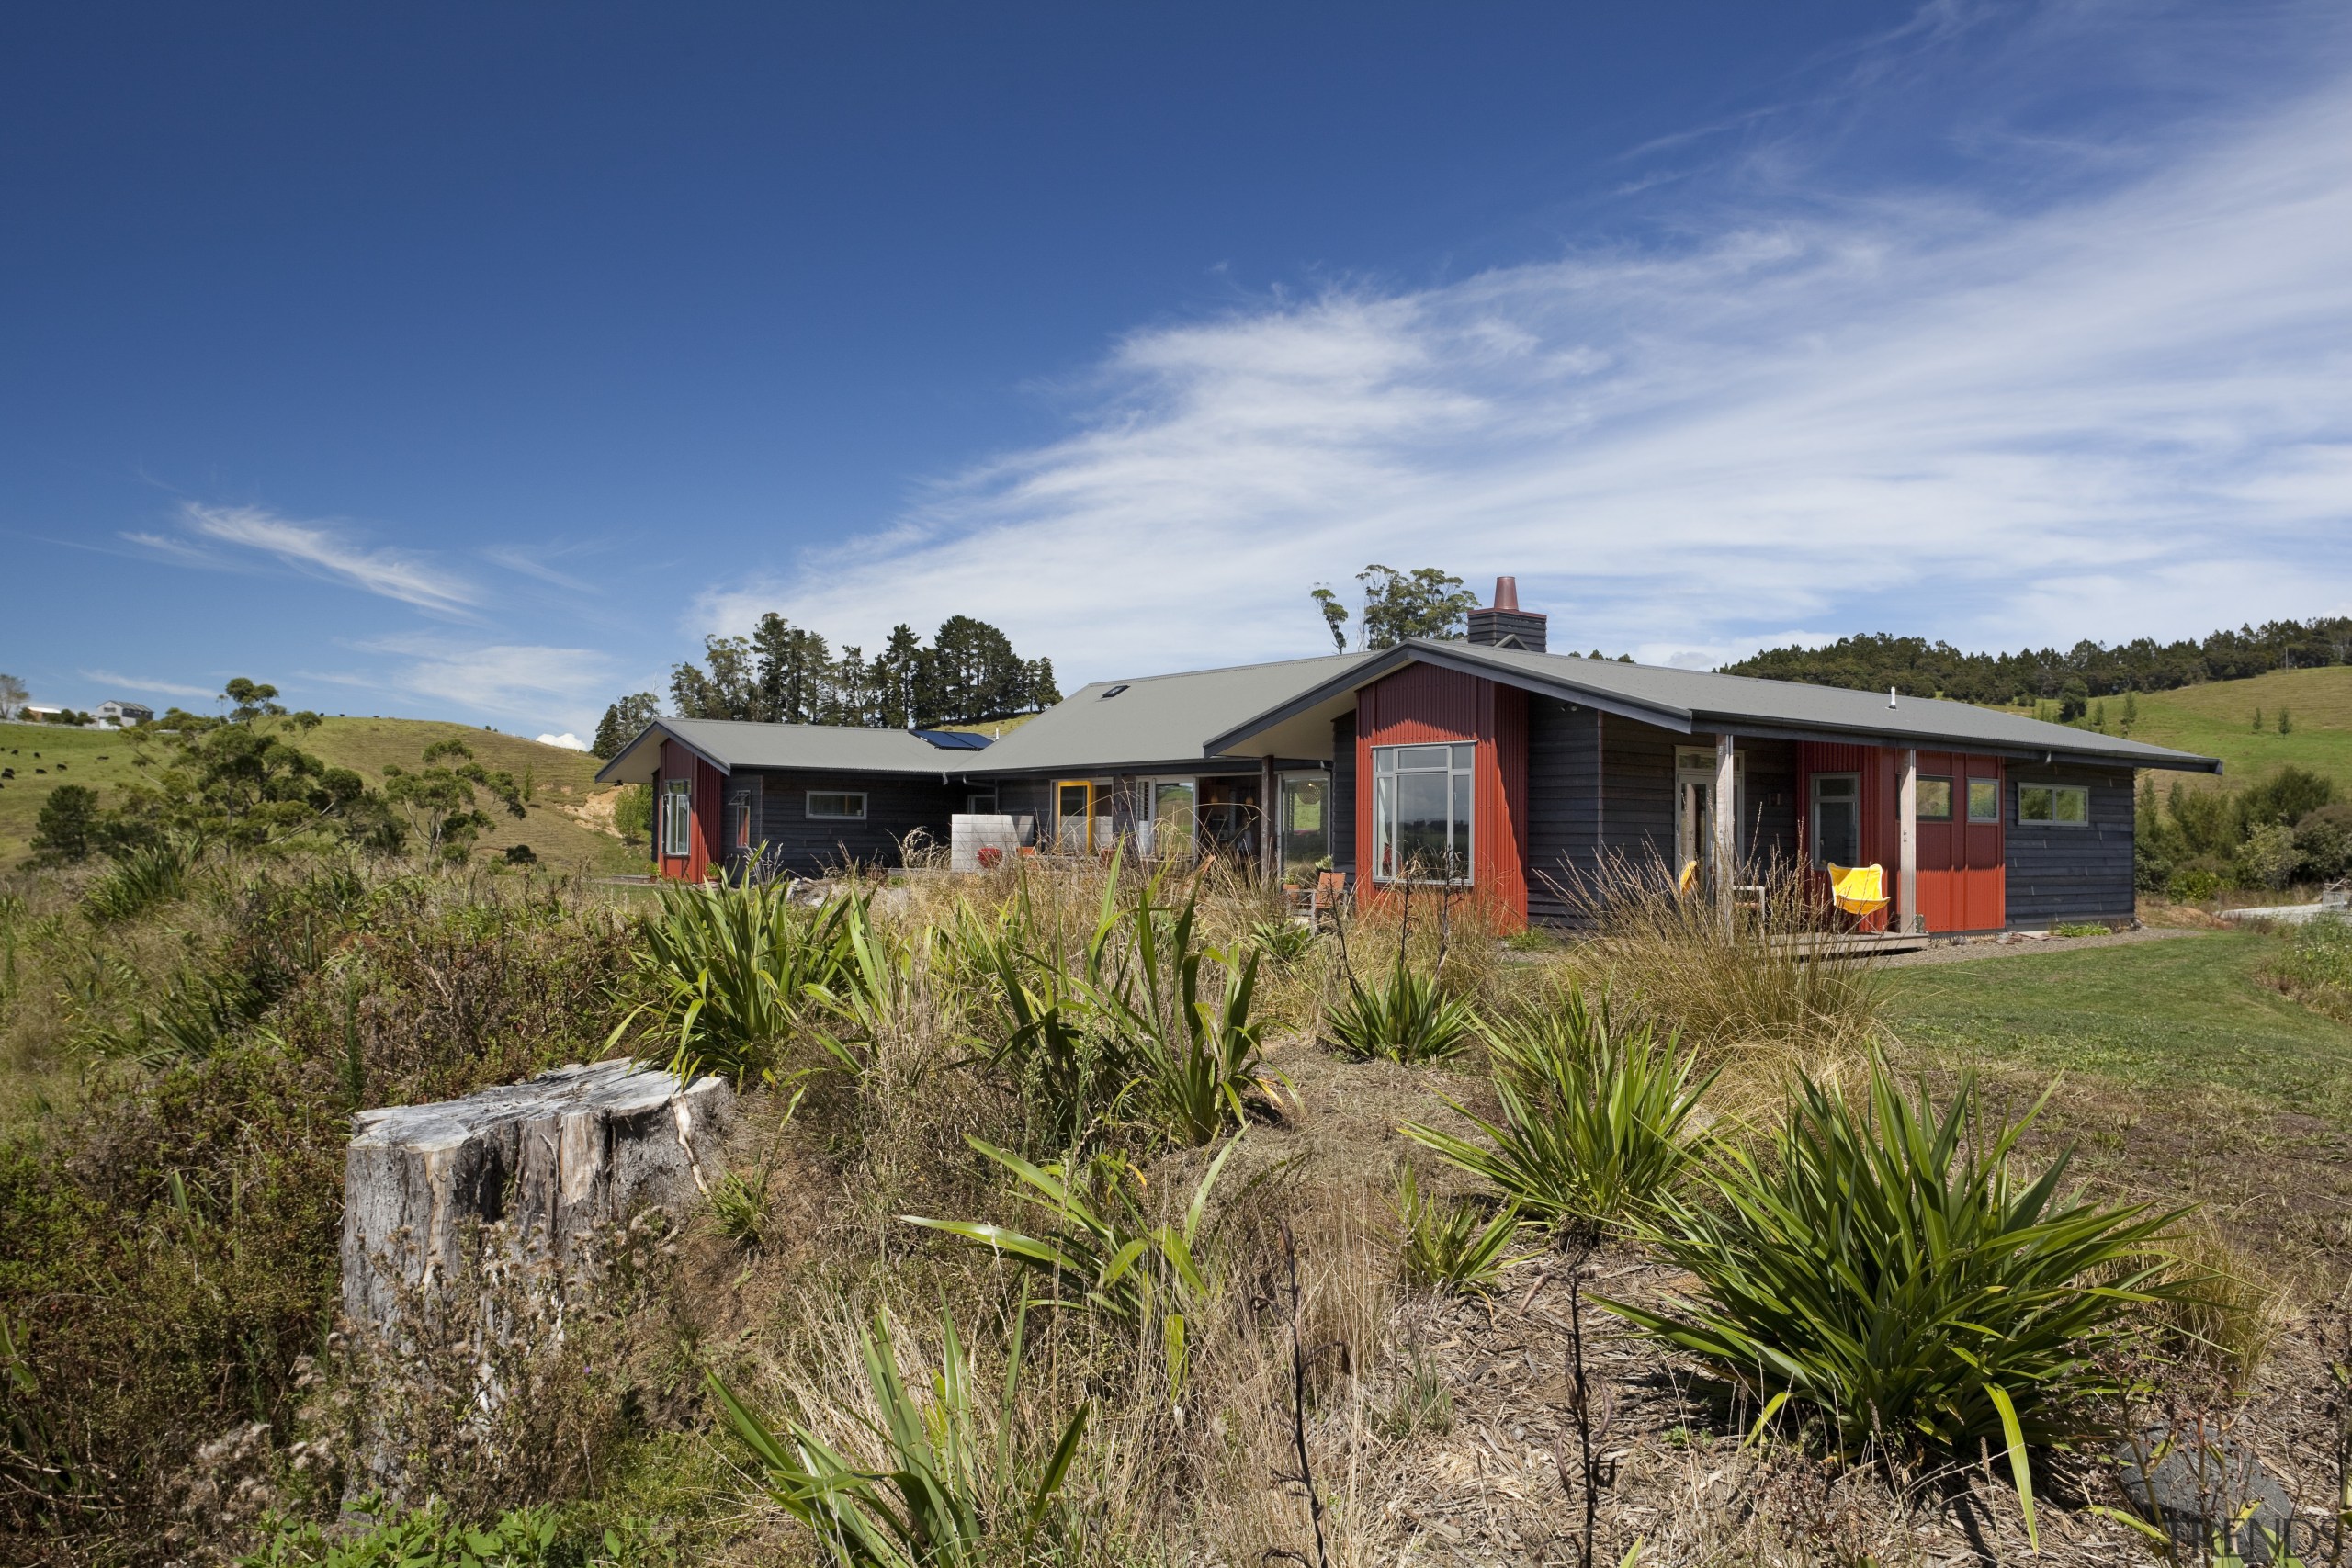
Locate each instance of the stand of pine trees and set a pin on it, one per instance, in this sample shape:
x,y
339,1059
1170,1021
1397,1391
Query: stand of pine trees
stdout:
x,y
787,675
1919,668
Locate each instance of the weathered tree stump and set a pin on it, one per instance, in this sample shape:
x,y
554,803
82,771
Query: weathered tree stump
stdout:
x,y
550,1159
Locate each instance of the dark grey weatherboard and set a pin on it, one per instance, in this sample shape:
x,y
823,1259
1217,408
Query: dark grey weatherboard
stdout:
x,y
1564,802
896,805
1342,806
2058,872
1600,788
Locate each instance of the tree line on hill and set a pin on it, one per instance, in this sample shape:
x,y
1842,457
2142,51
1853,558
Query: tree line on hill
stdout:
x,y
787,675
2089,669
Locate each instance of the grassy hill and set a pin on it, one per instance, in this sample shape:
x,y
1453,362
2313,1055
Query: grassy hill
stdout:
x,y
2216,719
558,823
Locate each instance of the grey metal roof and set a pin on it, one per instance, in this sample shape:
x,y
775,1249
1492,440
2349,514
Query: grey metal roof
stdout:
x,y
1701,701
1149,720
727,745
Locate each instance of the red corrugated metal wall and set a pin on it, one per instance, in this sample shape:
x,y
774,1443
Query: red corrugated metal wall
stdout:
x,y
677,762
1422,704
1962,883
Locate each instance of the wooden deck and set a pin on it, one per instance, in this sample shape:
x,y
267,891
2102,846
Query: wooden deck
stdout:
x,y
1821,945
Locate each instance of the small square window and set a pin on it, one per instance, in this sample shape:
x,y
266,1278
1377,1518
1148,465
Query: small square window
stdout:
x,y
837,805
1935,799
1983,800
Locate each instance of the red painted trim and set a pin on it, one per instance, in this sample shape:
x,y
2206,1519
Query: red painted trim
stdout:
x,y
704,815
1963,876
1423,704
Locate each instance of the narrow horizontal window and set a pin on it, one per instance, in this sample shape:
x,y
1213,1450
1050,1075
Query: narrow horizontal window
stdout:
x,y
2064,806
837,805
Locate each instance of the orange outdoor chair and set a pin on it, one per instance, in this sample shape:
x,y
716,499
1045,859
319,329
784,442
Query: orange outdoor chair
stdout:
x,y
1858,889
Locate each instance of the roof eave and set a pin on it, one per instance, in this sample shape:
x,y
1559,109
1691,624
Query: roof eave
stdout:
x,y
621,771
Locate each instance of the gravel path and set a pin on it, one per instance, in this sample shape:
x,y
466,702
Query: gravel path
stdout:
x,y
1963,951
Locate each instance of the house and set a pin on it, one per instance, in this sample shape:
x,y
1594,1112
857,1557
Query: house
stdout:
x,y
1496,764
802,796
124,713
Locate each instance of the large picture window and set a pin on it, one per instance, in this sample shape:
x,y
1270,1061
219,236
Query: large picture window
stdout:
x,y
1421,816
677,817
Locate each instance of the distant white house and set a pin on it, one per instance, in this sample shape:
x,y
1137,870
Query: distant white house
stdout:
x,y
125,713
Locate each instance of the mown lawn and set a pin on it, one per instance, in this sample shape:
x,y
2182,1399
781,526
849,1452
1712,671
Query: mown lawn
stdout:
x,y
2154,1017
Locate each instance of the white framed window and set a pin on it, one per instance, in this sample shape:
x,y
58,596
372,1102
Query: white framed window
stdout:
x,y
677,817
2055,806
837,805
1422,813
1836,818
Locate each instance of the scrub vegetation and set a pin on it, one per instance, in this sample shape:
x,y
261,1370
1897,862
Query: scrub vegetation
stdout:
x,y
1066,1224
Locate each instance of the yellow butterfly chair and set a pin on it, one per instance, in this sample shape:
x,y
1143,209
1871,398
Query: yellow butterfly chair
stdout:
x,y
1858,889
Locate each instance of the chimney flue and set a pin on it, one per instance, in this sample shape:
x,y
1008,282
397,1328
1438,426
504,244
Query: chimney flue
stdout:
x,y
1504,624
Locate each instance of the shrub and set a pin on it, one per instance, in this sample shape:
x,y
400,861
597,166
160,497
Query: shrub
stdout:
x,y
1404,1019
2323,843
2196,885
1196,1057
2317,970
2267,858
1453,1247
150,874
1593,1117
68,820
1891,1272
425,1536
1283,942
1103,1248
2287,796
941,1483
725,972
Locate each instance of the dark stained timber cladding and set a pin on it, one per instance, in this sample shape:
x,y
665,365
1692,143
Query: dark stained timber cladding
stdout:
x,y
896,805
1770,829
1342,812
1638,785
1564,803
2058,872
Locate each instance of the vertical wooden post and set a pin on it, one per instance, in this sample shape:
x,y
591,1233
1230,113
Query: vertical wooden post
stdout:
x,y
1269,849
1726,828
1907,814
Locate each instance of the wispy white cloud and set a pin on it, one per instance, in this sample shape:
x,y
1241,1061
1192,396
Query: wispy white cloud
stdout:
x,y
169,688
568,740
2124,408
567,687
322,550
540,562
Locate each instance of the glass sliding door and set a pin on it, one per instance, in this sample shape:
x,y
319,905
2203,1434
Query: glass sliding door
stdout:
x,y
1305,826
1174,808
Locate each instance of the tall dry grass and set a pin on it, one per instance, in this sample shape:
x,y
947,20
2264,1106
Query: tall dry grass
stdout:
x,y
1745,995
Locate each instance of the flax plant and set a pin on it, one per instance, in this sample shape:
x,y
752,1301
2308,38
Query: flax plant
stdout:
x,y
727,971
1596,1122
1889,1269
940,1481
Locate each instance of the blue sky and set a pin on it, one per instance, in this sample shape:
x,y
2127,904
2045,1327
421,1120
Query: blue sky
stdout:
x,y
472,362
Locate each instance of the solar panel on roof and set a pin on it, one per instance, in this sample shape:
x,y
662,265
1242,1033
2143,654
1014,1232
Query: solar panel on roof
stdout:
x,y
953,740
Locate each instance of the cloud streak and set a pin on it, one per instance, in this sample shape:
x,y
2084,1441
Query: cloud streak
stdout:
x,y
324,551
169,688
2123,409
